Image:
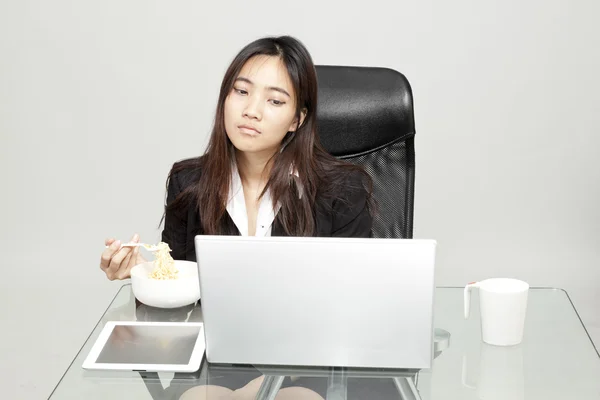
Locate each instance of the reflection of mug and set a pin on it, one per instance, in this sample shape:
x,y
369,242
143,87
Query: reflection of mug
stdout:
x,y
503,304
500,373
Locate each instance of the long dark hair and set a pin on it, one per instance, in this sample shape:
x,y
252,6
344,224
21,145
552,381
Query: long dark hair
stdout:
x,y
319,174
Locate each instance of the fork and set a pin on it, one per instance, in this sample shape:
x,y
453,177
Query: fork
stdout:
x,y
148,247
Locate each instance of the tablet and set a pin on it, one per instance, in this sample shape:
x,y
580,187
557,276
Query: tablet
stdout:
x,y
148,346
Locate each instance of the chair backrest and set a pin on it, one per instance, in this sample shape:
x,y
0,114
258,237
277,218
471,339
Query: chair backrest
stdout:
x,y
366,117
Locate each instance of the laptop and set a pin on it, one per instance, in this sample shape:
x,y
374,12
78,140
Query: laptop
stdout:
x,y
307,301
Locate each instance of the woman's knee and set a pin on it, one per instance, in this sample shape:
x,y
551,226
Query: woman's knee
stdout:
x,y
206,392
249,392
297,393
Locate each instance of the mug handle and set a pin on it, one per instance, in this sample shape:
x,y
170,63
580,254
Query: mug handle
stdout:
x,y
467,297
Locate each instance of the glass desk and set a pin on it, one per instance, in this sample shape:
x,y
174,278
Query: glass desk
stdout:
x,y
557,360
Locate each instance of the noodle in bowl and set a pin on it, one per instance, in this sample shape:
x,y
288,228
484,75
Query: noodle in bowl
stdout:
x,y
176,287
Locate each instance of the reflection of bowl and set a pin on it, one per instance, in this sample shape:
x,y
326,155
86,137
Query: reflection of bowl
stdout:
x,y
147,313
167,293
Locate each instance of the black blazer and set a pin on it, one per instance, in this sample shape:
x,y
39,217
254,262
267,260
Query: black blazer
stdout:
x,y
349,218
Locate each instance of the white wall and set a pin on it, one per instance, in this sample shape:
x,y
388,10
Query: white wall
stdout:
x,y
98,99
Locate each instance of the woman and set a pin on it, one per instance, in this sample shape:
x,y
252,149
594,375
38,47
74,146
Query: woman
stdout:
x,y
264,171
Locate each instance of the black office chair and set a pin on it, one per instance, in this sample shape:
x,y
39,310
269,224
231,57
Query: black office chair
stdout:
x,y
366,116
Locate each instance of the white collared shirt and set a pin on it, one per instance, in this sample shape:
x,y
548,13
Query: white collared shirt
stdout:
x,y
236,207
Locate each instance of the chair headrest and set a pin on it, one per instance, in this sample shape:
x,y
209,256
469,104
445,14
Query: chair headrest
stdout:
x,y
361,109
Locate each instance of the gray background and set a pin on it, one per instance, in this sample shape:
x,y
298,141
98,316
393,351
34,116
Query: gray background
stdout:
x,y
98,99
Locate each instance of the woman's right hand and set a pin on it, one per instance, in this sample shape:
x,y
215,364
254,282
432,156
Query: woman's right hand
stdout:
x,y
117,263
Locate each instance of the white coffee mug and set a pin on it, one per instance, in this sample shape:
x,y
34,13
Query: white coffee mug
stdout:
x,y
503,306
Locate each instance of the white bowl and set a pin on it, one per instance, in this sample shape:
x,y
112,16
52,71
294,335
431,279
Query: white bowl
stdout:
x,y
167,293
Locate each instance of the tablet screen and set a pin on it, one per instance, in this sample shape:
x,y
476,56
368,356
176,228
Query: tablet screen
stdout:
x,y
142,344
